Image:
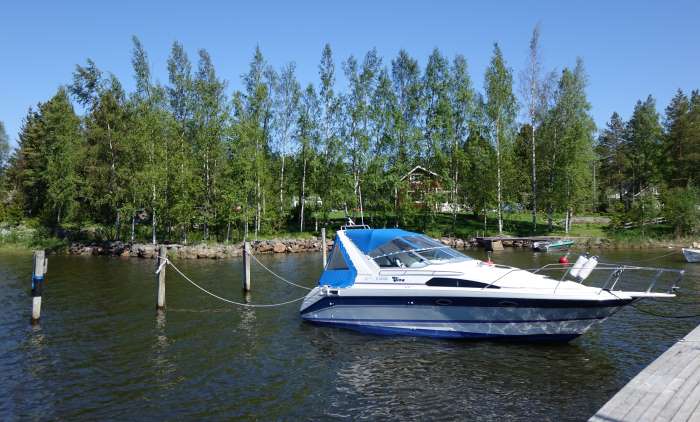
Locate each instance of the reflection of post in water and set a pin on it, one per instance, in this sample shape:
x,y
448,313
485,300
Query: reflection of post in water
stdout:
x,y
161,343
37,361
247,315
160,322
163,367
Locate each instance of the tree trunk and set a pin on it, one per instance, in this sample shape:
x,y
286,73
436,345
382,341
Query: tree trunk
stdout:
x,y
534,179
153,220
117,223
282,186
303,197
153,228
133,227
454,192
245,226
257,210
359,192
498,171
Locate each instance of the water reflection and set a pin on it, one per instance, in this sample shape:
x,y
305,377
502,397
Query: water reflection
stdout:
x,y
164,367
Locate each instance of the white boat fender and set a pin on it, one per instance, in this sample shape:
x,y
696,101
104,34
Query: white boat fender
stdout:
x,y
588,268
578,266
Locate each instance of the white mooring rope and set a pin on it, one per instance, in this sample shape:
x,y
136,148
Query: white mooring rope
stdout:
x,y
165,261
277,275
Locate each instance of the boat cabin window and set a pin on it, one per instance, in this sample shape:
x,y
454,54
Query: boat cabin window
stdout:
x,y
414,252
337,261
456,282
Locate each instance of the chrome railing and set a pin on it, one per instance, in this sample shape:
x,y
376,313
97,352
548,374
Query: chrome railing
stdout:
x,y
616,276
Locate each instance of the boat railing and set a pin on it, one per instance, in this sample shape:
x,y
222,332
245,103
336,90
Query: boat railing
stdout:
x,y
615,276
354,226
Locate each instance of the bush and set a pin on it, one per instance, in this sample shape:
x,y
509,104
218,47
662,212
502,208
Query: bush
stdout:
x,y
681,210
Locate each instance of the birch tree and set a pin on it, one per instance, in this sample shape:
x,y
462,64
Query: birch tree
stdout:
x,y
210,120
362,81
462,97
307,137
408,89
533,98
501,108
286,115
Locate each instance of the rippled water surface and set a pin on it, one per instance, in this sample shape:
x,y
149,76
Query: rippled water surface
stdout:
x,y
101,353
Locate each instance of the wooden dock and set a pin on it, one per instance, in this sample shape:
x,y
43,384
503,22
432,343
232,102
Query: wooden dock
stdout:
x,y
666,390
496,243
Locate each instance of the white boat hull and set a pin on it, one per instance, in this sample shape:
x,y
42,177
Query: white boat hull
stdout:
x,y
463,317
691,255
389,281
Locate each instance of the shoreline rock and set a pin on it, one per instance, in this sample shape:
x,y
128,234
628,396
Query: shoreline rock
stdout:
x,y
276,246
197,251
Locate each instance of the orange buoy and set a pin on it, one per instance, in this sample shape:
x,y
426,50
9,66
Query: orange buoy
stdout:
x,y
564,259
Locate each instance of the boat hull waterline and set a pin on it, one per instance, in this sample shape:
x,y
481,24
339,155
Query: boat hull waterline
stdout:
x,y
463,317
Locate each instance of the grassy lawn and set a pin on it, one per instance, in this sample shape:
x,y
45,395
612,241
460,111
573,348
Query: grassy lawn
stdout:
x,y
468,225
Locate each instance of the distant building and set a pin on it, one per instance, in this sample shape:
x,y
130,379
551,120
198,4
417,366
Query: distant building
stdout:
x,y
311,200
421,183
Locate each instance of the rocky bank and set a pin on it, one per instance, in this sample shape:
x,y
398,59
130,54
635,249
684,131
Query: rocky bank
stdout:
x,y
199,251
223,251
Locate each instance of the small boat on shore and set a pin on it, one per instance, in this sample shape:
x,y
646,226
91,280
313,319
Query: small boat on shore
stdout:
x,y
691,254
392,281
546,245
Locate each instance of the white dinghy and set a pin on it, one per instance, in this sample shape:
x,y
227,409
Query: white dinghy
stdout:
x,y
691,254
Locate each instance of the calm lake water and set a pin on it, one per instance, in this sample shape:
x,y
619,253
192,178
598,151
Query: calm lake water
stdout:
x,y
101,353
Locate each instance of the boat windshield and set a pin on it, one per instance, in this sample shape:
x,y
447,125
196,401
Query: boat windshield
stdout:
x,y
414,252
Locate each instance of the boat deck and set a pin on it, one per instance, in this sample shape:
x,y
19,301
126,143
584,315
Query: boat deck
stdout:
x,y
668,389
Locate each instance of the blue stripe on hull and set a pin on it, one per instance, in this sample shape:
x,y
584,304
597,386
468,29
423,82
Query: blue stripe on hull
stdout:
x,y
460,321
493,302
419,332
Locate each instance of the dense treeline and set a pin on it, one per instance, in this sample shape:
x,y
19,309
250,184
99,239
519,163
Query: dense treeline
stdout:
x,y
188,159
649,165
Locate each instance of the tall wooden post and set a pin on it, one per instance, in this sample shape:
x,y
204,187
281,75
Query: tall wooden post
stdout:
x,y
324,247
38,274
246,266
162,255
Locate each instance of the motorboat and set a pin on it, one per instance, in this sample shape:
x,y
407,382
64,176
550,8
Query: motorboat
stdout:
x,y
546,245
393,281
691,254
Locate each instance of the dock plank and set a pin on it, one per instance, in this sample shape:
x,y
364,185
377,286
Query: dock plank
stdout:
x,y
668,389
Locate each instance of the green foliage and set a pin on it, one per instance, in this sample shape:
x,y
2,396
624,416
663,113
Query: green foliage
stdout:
x,y
680,208
188,160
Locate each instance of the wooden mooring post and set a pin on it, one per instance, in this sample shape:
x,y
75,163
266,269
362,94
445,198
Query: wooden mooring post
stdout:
x,y
324,246
162,255
38,274
246,266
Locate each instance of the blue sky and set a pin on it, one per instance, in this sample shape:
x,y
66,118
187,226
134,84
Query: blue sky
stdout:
x,y
630,48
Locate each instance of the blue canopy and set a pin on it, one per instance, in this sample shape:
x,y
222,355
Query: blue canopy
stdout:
x,y
368,239
339,271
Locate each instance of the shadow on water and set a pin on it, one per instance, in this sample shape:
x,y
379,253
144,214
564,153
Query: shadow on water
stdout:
x,y
102,352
